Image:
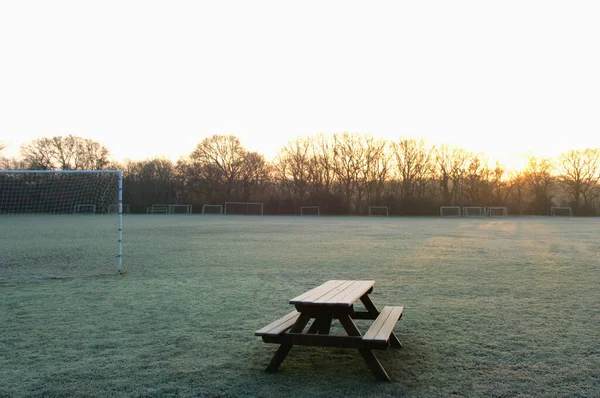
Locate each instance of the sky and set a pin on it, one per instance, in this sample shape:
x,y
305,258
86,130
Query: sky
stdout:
x,y
149,78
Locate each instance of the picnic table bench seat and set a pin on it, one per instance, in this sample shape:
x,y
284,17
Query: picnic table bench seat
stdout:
x,y
378,335
279,326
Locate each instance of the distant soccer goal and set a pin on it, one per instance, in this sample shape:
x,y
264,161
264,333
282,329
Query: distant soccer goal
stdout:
x,y
244,208
60,209
497,211
449,211
212,209
378,211
309,211
158,209
473,211
180,209
561,211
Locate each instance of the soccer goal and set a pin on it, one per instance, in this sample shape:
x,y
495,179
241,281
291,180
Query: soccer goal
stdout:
x,y
497,211
63,219
561,211
309,211
378,211
180,209
158,209
245,208
212,209
449,211
473,211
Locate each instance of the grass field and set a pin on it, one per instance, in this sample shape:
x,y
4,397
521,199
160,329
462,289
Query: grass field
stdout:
x,y
493,307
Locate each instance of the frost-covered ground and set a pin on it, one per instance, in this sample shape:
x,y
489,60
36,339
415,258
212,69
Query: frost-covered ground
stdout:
x,y
493,307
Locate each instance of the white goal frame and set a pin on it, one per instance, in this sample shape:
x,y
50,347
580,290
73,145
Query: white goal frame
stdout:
x,y
567,208
481,211
204,207
491,211
158,209
457,208
246,204
371,208
310,207
119,199
186,208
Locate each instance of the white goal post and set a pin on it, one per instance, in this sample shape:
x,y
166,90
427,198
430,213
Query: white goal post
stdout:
x,y
48,193
449,211
309,211
113,209
246,208
473,211
212,209
378,211
496,211
564,211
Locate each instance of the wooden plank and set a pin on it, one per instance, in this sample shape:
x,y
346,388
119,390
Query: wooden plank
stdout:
x,y
342,289
349,297
388,326
381,329
279,326
316,292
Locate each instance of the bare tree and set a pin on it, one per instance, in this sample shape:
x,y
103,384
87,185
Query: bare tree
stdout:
x,y
218,160
581,176
451,162
254,176
348,163
65,153
294,168
414,164
322,170
539,181
377,168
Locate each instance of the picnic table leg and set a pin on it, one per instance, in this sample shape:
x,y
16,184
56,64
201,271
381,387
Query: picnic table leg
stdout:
x,y
370,306
322,324
368,356
284,349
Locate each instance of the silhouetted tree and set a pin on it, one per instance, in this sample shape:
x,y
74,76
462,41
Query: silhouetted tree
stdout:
x,y
65,153
539,181
581,176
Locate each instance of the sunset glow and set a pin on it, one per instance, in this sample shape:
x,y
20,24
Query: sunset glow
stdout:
x,y
148,79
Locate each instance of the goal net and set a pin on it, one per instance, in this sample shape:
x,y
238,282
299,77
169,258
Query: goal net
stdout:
x,y
497,211
245,208
378,210
59,223
561,211
473,211
450,211
309,211
212,209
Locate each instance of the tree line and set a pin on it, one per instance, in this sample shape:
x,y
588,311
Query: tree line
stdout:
x,y
342,174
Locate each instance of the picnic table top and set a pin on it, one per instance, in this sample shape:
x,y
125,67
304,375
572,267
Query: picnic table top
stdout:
x,y
339,293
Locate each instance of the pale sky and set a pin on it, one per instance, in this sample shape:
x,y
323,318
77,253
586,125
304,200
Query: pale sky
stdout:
x,y
148,78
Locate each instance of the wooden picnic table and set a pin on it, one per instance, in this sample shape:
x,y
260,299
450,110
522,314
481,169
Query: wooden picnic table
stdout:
x,y
334,299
